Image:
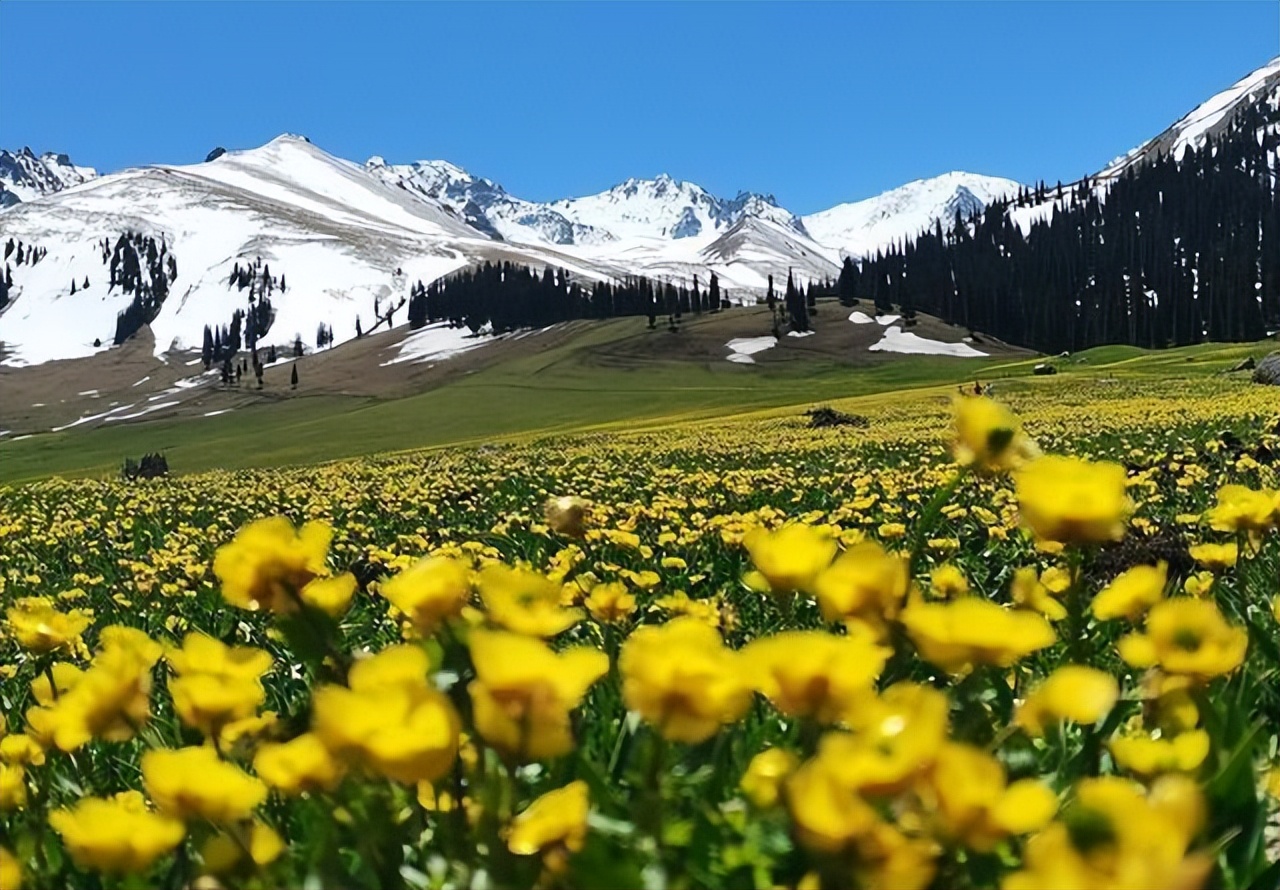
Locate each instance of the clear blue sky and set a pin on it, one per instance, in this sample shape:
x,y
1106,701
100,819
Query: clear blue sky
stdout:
x,y
817,103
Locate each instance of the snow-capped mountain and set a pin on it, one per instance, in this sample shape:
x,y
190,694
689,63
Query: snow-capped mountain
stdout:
x,y
1209,118
670,209
860,228
25,176
485,204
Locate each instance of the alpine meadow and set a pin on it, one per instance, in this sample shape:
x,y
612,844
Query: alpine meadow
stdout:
x,y
365,526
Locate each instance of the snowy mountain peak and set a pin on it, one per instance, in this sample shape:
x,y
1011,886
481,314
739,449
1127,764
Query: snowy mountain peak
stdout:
x,y
861,228
24,176
1207,119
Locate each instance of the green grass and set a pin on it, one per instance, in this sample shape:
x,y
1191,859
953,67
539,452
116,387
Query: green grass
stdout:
x,y
563,389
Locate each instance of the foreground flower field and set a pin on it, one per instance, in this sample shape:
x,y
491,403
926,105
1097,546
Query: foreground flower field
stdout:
x,y
969,645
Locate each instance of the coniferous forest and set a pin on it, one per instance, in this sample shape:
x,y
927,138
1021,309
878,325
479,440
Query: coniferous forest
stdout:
x,y
1173,252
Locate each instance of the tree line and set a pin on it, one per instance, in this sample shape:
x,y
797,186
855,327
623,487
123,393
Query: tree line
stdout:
x,y
1175,251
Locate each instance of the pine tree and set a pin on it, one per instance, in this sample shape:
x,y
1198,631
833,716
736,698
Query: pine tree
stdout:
x,y
206,349
293,378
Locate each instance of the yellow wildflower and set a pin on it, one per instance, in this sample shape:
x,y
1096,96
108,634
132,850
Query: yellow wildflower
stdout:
x,y
298,766
216,684
1241,509
789,558
13,787
330,595
864,583
814,673
523,692
974,631
1188,637
610,603
39,627
893,738
762,782
975,806
1072,692
1148,756
948,582
429,592
10,871
1132,593
988,437
117,836
524,601
1073,501
556,821
268,563
195,783
1028,592
680,677
1216,557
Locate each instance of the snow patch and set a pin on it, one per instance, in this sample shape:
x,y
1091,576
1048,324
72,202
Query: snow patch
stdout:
x,y
896,340
886,320
861,318
801,333
435,342
744,347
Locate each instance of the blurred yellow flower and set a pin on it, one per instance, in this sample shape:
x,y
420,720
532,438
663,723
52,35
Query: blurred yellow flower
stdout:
x,y
1242,509
524,601
790,557
110,700
974,805
973,631
523,692
189,783
610,603
1188,637
13,787
39,627
1149,756
268,563
1216,557
1073,501
1028,592
988,437
680,677
330,595
948,582
298,766
864,583
893,739
429,592
762,782
390,719
1132,593
10,871
117,836
216,684
1072,692
814,674
556,820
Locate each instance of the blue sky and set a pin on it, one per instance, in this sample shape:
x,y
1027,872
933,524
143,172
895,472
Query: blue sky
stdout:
x,y
817,103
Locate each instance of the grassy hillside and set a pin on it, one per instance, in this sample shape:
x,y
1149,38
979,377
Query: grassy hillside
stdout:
x,y
601,376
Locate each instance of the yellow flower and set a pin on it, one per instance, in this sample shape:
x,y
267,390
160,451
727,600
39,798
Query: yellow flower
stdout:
x,y
216,684
330,595
108,701
556,820
525,602
1188,637
10,871
39,627
390,719
791,557
13,787
988,437
975,806
1199,584
680,677
974,631
115,836
893,739
891,531
1148,756
21,750
827,815
762,782
1073,501
1028,592
610,603
567,515
1216,557
1072,692
195,783
864,583
814,673
1114,837
523,692
1242,509
223,852
1132,593
429,592
298,766
268,563
948,582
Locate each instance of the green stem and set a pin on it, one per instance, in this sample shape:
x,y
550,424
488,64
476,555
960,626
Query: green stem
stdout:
x,y
930,515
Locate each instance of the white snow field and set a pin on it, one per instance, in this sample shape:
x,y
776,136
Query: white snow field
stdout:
x,y
897,340
861,318
741,349
438,341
